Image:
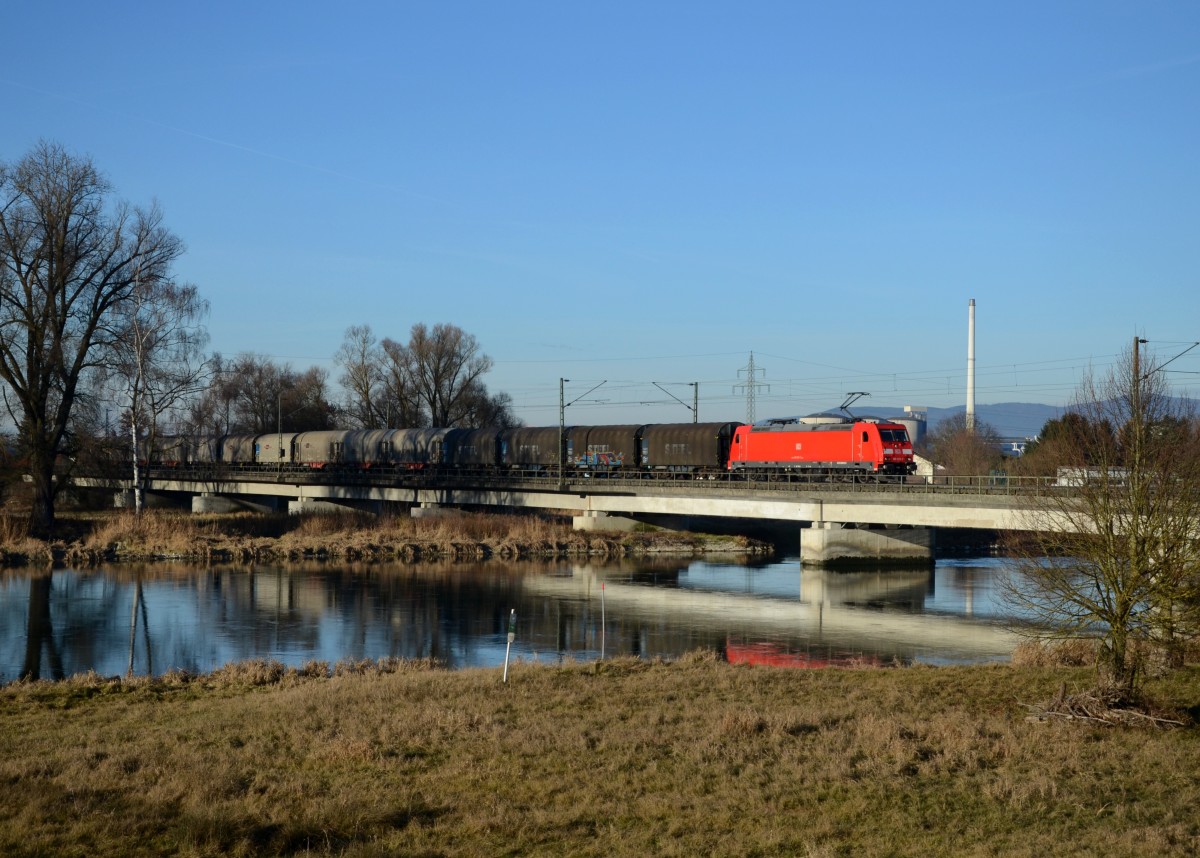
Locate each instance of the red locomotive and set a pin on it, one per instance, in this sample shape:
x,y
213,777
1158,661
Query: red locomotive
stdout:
x,y
823,444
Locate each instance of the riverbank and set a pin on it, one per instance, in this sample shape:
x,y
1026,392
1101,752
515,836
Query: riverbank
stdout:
x,y
614,758
255,538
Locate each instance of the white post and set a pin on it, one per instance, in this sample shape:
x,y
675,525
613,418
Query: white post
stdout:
x,y
512,635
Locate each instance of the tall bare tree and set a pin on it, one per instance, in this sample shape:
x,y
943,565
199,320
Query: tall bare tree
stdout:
x,y
70,258
1114,553
447,371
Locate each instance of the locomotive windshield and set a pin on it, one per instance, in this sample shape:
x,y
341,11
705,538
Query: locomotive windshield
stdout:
x,y
894,435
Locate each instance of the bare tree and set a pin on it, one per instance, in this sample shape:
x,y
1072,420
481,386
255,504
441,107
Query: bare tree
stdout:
x,y
158,361
254,394
402,406
258,383
361,360
1113,554
961,450
435,379
305,404
447,371
211,411
484,409
70,258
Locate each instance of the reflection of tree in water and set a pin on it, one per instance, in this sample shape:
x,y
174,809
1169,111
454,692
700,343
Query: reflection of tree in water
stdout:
x,y
39,632
197,619
69,623
139,602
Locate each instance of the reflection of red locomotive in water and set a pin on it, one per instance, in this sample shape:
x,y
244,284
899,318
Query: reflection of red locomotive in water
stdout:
x,y
773,655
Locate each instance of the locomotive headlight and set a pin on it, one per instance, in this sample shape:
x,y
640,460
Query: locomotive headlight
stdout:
x,y
887,451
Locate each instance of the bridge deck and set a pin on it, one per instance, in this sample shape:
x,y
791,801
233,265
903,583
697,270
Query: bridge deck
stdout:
x,y
986,503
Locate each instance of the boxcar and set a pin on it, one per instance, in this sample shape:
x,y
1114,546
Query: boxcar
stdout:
x,y
525,447
605,448
687,446
474,448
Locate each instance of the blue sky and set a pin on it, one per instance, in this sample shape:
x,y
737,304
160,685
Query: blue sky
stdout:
x,y
641,192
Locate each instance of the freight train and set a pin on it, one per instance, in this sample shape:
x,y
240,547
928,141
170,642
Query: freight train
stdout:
x,y
821,445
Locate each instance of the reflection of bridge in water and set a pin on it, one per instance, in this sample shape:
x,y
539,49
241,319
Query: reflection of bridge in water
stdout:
x,y
871,614
179,616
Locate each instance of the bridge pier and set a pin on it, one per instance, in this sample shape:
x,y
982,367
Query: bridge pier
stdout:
x,y
124,499
595,520
207,502
429,510
305,506
829,543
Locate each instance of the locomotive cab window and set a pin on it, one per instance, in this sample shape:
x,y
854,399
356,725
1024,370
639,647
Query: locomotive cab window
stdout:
x,y
864,436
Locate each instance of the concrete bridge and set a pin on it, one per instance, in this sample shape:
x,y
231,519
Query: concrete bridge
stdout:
x,y
838,521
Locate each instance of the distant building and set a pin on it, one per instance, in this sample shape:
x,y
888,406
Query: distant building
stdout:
x,y
1012,447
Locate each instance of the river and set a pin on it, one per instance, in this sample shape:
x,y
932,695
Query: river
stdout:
x,y
161,617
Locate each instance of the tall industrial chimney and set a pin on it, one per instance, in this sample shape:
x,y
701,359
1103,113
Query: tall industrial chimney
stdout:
x,y
971,367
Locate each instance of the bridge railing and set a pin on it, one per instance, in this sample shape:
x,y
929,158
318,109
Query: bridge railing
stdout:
x,y
549,480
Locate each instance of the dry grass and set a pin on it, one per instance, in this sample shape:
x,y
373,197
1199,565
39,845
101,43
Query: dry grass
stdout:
x,y
1073,652
17,548
251,537
617,758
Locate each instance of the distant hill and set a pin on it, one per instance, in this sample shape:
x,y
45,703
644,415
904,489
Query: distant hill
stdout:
x,y
1009,419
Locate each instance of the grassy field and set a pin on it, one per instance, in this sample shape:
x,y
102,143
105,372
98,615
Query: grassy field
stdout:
x,y
619,758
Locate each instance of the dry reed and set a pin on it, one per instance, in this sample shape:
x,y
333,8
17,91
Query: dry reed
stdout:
x,y
156,534
16,547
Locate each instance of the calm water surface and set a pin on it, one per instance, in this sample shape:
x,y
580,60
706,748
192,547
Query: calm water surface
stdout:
x,y
163,617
